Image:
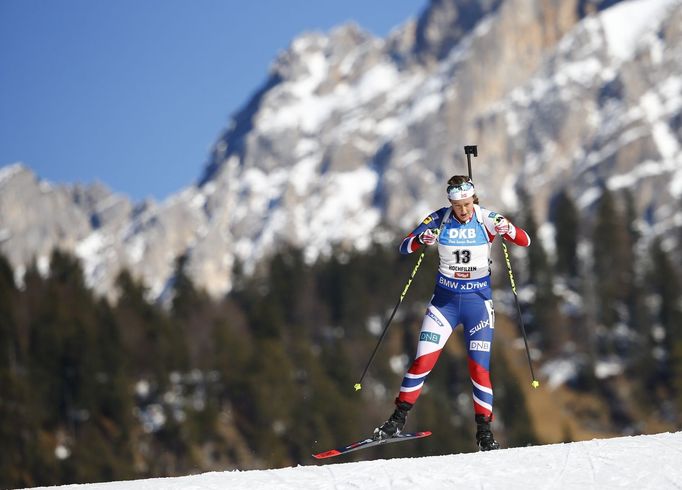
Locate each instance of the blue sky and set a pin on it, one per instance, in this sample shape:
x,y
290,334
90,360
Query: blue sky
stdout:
x,y
133,93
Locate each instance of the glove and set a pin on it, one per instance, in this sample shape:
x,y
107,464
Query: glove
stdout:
x,y
504,227
429,237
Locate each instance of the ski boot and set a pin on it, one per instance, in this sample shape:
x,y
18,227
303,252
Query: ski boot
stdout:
x,y
484,436
395,423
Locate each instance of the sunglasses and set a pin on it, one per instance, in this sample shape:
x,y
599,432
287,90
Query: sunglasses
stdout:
x,y
461,191
464,186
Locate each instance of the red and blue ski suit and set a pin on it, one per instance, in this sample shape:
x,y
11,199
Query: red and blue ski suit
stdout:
x,y
462,296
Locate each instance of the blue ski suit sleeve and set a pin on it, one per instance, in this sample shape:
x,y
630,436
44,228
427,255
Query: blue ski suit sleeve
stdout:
x,y
410,243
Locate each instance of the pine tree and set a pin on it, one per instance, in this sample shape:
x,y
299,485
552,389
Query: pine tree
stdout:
x,y
8,324
566,218
114,406
192,315
546,321
68,378
634,308
269,388
665,285
233,347
613,258
323,411
614,285
187,299
154,343
21,455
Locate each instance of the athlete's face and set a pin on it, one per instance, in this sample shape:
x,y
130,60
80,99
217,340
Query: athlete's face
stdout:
x,y
463,208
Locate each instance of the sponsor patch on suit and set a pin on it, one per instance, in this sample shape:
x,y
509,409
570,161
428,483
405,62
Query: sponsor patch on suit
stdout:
x,y
479,345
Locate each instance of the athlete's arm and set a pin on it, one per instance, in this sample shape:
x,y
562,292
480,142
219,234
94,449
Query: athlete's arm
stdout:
x,y
411,242
517,236
496,224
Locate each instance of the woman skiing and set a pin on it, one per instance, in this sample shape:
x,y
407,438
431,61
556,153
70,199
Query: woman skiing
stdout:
x,y
464,232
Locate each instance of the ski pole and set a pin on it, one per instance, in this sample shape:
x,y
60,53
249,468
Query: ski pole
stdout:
x,y
473,150
534,383
358,385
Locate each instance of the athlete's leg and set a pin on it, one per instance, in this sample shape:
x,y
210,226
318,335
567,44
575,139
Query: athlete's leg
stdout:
x,y
435,331
478,319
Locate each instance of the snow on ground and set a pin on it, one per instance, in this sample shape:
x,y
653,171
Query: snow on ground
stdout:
x,y
639,462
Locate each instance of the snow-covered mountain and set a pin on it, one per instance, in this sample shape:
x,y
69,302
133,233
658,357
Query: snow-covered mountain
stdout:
x,y
639,462
352,137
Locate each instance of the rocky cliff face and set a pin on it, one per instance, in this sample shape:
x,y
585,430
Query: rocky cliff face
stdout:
x,y
352,136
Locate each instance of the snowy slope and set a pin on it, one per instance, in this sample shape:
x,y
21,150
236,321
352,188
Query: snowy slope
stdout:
x,y
639,462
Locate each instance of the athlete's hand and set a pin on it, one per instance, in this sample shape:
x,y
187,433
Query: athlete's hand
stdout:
x,y
502,225
429,237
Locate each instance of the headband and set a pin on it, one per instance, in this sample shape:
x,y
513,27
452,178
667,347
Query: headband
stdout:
x,y
461,191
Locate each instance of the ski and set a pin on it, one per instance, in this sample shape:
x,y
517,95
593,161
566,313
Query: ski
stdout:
x,y
370,442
